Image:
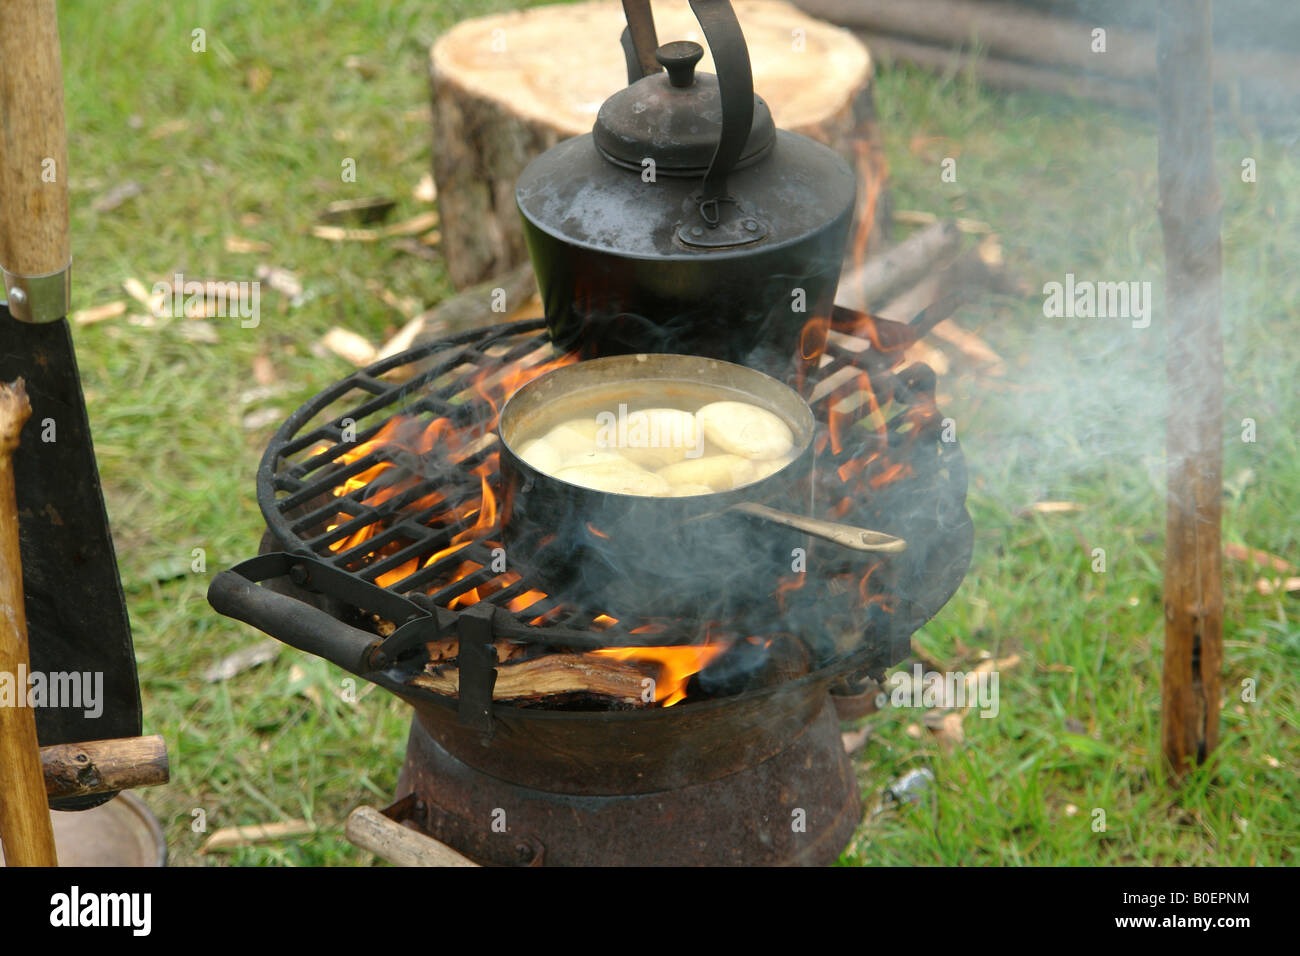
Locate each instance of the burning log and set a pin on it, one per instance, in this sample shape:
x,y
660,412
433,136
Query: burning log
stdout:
x,y
554,675
506,88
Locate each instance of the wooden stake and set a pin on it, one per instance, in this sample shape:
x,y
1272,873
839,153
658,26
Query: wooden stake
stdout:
x,y
25,826
1190,211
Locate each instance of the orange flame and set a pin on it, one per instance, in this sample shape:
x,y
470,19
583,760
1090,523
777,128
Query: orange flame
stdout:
x,y
676,665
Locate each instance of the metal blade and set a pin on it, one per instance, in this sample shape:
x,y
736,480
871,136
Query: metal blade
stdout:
x,y
76,615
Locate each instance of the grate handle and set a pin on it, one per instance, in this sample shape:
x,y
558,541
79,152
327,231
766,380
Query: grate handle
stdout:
x,y
294,623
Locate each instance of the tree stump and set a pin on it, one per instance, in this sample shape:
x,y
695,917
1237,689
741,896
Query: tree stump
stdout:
x,y
506,88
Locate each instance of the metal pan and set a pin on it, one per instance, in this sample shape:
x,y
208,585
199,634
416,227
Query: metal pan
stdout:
x,y
701,555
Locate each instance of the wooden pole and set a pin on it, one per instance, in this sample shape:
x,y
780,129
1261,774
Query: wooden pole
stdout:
x,y
25,826
1190,211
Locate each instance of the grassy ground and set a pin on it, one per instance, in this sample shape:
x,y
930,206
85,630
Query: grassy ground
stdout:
x,y
247,139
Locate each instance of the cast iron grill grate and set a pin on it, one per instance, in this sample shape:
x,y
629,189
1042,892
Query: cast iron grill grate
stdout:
x,y
384,477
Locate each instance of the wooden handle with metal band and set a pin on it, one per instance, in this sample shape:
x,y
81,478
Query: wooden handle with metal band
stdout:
x,y
35,250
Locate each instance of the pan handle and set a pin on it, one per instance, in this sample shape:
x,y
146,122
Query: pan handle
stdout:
x,y
297,624
35,251
847,536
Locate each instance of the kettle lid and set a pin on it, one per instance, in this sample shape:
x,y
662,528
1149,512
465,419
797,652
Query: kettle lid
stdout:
x,y
674,119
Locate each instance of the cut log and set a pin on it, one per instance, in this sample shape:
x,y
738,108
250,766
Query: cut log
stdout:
x,y
506,88
553,675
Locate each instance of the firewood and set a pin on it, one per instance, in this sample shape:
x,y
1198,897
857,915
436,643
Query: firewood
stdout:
x,y
882,276
550,676
507,87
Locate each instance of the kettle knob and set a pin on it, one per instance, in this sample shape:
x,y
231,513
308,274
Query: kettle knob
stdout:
x,y
679,58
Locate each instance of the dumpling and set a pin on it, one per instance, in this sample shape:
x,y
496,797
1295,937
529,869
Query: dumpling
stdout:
x,y
745,430
618,477
716,472
574,437
656,437
542,455
763,469
686,490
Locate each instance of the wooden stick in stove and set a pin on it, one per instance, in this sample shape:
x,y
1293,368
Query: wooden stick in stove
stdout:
x,y
399,845
1190,211
25,827
552,675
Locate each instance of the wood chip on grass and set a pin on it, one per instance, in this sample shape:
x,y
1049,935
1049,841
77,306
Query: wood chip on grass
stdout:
x,y
1238,552
1049,508
136,289
368,209
349,346
1277,586
231,838
240,244
282,281
99,313
417,225
244,659
425,190
403,340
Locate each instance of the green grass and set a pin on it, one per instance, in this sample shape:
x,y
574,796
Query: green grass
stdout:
x,y
1069,187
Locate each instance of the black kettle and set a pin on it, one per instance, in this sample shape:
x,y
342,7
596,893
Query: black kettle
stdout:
x,y
685,221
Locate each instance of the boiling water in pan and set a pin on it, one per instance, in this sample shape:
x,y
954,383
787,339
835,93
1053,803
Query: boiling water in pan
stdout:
x,y
659,439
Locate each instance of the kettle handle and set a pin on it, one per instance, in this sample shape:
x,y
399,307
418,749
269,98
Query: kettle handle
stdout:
x,y
736,87
735,82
